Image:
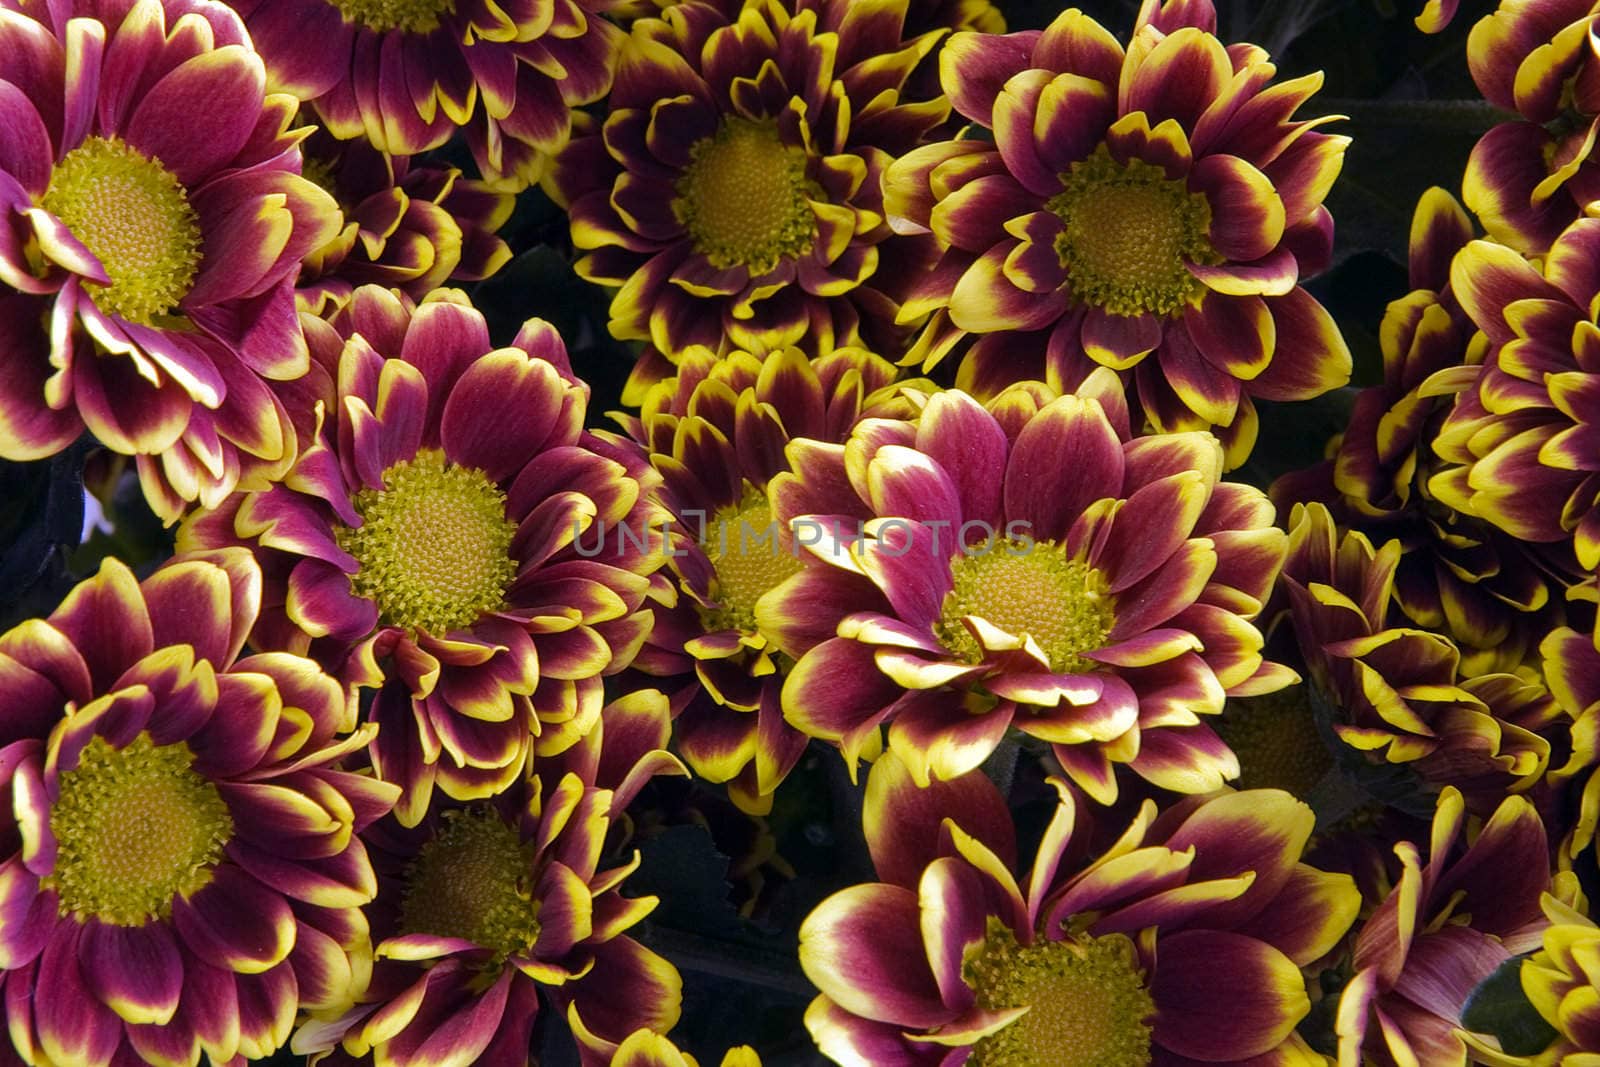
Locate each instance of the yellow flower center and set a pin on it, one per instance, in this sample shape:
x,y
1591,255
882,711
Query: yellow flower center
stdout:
x,y
1276,741
408,16
1032,589
743,197
1128,232
474,881
1086,999
134,828
433,545
742,543
321,173
134,215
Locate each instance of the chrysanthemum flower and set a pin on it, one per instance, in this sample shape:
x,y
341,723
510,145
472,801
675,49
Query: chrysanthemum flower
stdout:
x,y
734,188
645,1048
487,914
406,74
717,432
428,542
1449,921
407,226
1522,442
1527,180
1401,692
148,246
1457,575
1182,941
1151,208
1562,983
182,872
1030,567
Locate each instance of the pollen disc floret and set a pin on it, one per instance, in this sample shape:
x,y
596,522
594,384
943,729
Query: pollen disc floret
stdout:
x,y
1127,232
1086,999
472,881
749,558
135,827
743,197
433,545
1276,740
134,215
1028,588
411,16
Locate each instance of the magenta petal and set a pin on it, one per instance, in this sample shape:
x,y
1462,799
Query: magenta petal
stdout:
x,y
74,1027
904,823
1224,996
235,922
1119,341
452,1024
1066,458
974,67
863,948
134,970
969,445
24,140
501,411
197,117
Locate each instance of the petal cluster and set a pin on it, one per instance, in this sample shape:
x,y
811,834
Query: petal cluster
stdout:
x,y
406,76
717,431
408,225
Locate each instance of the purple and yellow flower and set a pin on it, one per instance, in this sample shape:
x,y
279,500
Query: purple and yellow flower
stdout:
x,y
734,189
408,226
183,871
488,913
407,75
1528,179
428,543
646,1048
1401,692
1028,565
1457,575
1182,941
1562,982
717,432
1523,442
1150,209
148,247
1449,921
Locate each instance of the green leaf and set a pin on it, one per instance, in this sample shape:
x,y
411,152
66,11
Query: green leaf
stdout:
x,y
1500,1008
